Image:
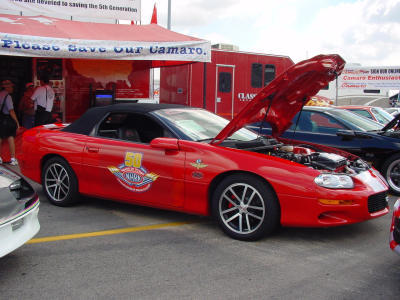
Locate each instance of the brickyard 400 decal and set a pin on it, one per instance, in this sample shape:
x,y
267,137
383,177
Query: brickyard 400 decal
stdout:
x,y
132,175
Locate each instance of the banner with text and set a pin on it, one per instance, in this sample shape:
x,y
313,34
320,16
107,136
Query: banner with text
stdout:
x,y
36,46
373,78
101,9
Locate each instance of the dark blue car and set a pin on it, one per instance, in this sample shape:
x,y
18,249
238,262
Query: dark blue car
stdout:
x,y
339,128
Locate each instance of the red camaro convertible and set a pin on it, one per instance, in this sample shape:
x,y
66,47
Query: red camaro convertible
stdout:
x,y
191,160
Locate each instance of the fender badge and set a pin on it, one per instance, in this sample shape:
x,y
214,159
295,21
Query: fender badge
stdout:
x,y
199,164
197,175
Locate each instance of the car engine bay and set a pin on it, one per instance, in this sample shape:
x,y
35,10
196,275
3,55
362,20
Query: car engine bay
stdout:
x,y
302,154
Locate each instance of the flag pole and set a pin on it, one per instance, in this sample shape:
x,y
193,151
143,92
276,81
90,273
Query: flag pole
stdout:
x,y
169,15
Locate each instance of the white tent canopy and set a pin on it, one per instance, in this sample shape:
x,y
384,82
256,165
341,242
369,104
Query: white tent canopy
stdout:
x,y
40,36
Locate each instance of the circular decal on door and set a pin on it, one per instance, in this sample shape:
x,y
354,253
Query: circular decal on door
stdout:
x,y
132,175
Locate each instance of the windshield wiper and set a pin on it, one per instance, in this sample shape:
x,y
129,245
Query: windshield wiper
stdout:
x,y
209,139
203,140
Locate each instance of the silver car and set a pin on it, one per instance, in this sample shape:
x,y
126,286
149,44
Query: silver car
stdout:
x,y
19,207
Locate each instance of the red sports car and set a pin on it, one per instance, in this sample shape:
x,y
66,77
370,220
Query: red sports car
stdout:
x,y
395,228
191,160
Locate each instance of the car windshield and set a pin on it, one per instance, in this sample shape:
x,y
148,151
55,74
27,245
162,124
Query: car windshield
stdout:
x,y
359,121
199,124
381,115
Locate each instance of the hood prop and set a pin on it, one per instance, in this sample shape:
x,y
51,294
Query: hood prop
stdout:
x,y
298,118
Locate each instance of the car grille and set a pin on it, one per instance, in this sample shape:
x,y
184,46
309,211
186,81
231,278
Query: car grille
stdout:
x,y
377,202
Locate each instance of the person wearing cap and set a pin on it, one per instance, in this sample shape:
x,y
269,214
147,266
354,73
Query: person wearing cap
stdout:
x,y
9,121
26,107
43,98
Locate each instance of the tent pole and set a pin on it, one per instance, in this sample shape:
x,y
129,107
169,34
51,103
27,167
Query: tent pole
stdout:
x,y
204,85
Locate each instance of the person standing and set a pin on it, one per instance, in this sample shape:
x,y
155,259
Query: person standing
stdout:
x,y
9,121
43,98
26,107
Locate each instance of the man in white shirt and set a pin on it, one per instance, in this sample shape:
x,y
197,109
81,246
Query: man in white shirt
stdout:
x,y
43,98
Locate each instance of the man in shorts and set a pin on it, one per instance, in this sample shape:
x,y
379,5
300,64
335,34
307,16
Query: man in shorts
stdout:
x,y
9,121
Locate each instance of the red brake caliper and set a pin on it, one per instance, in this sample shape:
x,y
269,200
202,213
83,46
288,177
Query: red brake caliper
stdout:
x,y
230,205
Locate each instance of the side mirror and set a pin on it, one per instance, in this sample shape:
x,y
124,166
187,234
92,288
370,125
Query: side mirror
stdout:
x,y
165,143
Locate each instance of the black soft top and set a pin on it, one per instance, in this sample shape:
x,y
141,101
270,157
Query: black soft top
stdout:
x,y
92,116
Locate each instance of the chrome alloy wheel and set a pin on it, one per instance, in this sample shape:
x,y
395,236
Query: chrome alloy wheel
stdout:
x,y
241,208
57,182
393,175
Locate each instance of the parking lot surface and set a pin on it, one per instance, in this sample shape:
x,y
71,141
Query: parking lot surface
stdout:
x,y
100,249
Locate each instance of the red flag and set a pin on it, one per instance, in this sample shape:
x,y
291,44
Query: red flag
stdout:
x,y
154,16
132,22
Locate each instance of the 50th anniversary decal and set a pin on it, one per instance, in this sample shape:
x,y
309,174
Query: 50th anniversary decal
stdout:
x,y
132,175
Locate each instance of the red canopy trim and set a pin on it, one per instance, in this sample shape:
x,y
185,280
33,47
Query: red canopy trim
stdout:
x,y
41,36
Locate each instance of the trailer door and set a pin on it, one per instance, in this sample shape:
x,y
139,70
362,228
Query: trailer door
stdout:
x,y
224,91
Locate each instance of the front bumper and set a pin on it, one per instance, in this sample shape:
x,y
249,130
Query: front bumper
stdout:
x,y
17,230
334,207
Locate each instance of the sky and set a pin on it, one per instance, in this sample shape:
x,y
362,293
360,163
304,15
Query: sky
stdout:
x,y
365,32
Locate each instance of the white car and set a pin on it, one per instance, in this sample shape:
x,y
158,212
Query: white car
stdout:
x,y
19,207
392,110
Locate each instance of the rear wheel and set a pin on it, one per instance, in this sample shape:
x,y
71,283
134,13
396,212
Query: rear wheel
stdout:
x,y
59,182
245,207
391,172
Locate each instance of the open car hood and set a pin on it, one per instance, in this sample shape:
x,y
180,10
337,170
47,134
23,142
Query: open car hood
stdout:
x,y
278,102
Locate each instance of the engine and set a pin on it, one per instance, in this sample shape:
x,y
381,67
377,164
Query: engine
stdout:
x,y
304,154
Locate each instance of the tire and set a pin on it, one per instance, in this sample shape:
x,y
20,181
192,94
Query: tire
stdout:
x,y
59,182
391,172
245,207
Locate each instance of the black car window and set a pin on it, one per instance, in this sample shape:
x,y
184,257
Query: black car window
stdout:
x,y
131,127
313,121
325,124
304,124
109,127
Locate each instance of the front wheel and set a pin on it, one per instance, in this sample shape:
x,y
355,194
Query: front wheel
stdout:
x,y
391,172
59,182
245,207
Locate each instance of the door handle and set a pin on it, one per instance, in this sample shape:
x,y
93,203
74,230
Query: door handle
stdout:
x,y
92,149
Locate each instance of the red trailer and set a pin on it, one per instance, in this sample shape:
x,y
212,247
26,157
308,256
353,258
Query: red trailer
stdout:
x,y
224,85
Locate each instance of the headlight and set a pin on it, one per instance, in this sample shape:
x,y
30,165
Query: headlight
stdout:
x,y
16,185
21,189
332,181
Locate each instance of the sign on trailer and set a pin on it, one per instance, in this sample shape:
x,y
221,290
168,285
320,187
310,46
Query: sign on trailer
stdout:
x,y
382,78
